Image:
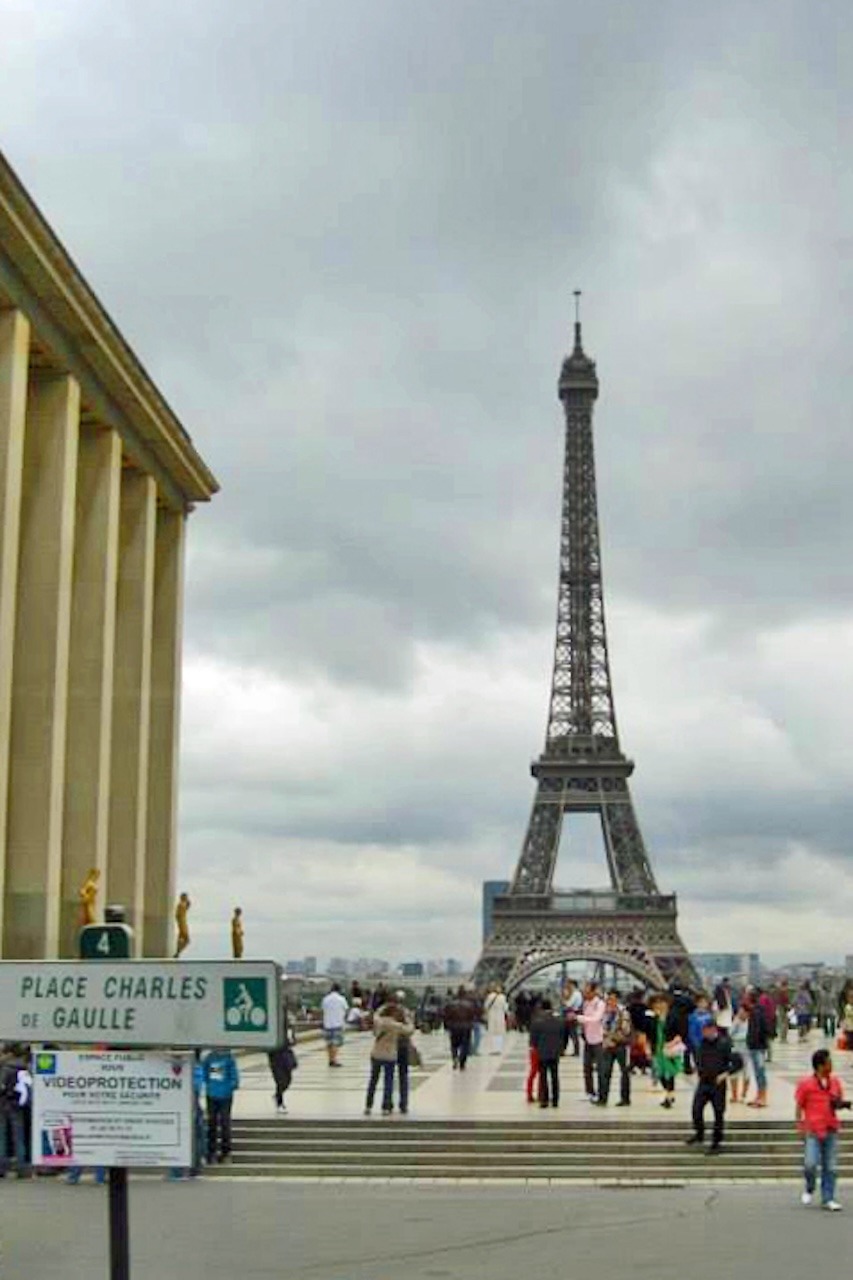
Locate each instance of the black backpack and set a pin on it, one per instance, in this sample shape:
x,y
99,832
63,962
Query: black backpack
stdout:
x,y
8,1081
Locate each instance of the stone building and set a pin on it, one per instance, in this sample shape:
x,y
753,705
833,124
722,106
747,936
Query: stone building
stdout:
x,y
97,477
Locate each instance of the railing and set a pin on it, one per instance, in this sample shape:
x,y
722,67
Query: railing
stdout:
x,y
591,902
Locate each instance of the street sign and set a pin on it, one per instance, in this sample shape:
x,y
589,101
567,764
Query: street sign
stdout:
x,y
106,942
118,1110
168,1003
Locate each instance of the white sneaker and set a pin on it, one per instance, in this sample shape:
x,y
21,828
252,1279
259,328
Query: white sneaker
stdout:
x,y
833,1206
806,1197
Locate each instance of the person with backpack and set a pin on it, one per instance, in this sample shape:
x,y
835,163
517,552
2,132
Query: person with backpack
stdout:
x,y
15,1090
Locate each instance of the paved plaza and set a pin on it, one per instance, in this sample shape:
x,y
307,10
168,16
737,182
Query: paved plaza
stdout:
x,y
492,1087
282,1231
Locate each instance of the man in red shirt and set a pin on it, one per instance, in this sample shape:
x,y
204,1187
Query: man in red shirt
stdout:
x,y
819,1098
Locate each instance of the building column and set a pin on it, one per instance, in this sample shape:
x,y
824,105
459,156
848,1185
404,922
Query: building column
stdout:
x,y
90,674
40,669
14,356
161,854
132,699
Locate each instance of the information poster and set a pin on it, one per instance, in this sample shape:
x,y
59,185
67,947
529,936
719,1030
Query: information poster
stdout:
x,y
114,1109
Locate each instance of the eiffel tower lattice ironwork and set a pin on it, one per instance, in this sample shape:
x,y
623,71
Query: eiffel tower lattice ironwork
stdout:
x,y
582,769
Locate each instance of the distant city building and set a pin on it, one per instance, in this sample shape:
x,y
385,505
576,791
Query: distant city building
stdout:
x,y
491,889
339,967
309,966
454,968
715,965
294,966
412,969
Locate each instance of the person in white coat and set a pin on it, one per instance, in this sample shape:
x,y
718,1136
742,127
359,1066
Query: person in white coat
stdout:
x,y
495,1009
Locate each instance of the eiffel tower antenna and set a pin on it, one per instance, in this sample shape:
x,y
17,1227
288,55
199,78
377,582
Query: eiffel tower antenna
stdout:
x,y
582,768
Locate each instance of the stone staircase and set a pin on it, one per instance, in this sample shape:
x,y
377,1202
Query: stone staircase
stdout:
x,y
618,1152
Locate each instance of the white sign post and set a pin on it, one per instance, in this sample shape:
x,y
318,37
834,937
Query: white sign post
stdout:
x,y
173,1004
118,1110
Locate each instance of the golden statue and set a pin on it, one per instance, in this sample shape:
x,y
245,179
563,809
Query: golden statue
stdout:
x,y
181,910
89,897
237,934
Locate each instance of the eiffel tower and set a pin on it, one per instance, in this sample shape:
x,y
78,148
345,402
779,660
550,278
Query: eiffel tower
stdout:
x,y
582,769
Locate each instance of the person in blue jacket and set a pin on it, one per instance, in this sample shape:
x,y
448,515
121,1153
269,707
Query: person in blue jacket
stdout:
x,y
221,1081
699,1018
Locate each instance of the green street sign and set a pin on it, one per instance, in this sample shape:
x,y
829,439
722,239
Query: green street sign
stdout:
x,y
106,942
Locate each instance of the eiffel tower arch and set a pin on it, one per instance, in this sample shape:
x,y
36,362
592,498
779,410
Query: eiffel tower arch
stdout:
x,y
582,768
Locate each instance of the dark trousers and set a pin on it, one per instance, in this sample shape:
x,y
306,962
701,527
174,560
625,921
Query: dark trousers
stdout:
x,y
592,1055
460,1045
282,1073
403,1074
549,1074
573,1037
13,1139
218,1128
609,1060
386,1070
716,1095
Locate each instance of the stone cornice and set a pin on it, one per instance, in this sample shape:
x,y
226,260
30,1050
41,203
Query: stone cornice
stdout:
x,y
39,277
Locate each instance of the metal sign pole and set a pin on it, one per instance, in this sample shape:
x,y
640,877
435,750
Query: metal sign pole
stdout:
x,y
119,1226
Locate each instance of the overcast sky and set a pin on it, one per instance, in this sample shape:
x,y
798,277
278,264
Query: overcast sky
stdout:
x,y
342,235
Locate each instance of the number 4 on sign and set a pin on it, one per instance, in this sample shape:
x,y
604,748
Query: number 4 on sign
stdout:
x,y
105,942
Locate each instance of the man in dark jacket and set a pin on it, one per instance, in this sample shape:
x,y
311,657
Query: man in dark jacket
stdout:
x,y
459,1015
713,1066
546,1037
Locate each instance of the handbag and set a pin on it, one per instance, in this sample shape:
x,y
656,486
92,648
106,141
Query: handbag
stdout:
x,y
415,1059
674,1048
291,1061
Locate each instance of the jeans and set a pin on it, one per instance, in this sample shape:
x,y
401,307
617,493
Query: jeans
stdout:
x,y
619,1055
823,1152
757,1058
549,1072
460,1045
218,1128
592,1055
716,1095
403,1075
75,1173
386,1070
12,1124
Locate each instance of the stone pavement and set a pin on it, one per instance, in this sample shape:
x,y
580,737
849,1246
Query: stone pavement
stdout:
x,y
492,1087
273,1231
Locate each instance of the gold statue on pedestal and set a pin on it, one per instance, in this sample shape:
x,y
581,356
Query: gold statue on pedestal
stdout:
x,y
88,897
181,911
237,934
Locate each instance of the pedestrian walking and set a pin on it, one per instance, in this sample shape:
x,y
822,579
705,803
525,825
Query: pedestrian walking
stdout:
x,y
335,1009
283,1063
221,1081
819,1098
572,1006
546,1038
738,1077
459,1017
616,1043
668,1047
591,1019
757,1040
495,1008
15,1091
715,1062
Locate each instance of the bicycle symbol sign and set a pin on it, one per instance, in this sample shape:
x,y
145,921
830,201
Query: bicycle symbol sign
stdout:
x,y
245,1004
